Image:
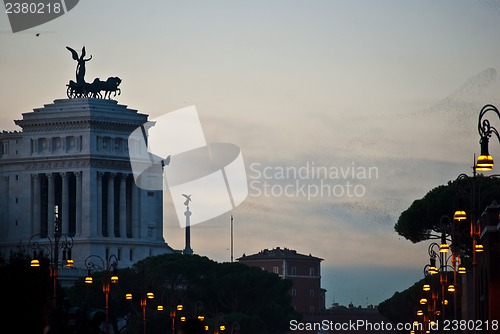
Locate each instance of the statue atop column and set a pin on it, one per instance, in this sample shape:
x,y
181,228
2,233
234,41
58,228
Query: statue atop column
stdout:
x,y
187,250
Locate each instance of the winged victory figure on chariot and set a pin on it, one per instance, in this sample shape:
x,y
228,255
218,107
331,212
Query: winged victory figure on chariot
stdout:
x,y
81,88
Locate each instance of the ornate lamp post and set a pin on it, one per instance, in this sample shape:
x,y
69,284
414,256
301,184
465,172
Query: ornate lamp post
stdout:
x,y
485,160
109,267
175,310
173,314
440,268
143,302
178,311
440,263
219,326
62,242
198,311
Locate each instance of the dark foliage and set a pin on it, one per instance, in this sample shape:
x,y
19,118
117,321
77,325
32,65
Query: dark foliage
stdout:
x,y
401,307
27,295
225,293
423,217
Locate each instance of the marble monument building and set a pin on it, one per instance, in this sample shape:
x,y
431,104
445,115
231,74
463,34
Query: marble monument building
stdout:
x,y
72,156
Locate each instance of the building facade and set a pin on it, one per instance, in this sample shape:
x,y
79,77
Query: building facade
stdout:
x,y
488,267
303,270
71,160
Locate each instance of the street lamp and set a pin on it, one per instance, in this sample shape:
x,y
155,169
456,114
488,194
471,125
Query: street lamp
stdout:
x,y
198,310
143,302
219,327
62,242
109,266
485,160
173,313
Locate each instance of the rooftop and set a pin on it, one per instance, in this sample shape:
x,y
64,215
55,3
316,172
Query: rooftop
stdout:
x,y
278,253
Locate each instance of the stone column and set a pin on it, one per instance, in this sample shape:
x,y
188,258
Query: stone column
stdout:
x,y
135,203
159,228
111,205
50,205
5,203
37,205
99,203
78,215
188,250
65,204
123,206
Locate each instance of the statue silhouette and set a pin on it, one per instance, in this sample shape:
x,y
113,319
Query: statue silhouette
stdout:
x,y
80,68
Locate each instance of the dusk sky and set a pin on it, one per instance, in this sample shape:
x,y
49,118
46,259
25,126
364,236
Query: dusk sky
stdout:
x,y
395,86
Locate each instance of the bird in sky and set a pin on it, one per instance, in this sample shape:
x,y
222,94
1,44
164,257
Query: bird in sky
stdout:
x,y
38,34
188,199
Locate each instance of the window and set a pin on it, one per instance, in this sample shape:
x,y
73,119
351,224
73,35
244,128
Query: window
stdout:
x,y
5,148
311,271
294,271
294,292
131,255
17,177
275,270
311,293
119,255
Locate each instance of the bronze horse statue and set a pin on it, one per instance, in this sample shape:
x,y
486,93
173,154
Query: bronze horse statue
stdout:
x,y
81,88
94,89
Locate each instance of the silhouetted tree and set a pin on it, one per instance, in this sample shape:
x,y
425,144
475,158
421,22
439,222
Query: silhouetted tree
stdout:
x,y
26,295
224,293
423,216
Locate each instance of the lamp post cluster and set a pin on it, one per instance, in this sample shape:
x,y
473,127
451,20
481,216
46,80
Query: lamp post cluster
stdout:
x,y
109,266
61,242
181,313
435,292
440,277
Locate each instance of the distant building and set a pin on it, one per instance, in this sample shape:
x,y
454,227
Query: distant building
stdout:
x,y
303,270
73,154
347,320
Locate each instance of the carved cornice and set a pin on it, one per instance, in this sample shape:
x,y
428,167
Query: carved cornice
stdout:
x,y
118,126
79,163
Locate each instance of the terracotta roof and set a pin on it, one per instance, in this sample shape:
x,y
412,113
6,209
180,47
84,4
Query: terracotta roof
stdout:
x,y
278,253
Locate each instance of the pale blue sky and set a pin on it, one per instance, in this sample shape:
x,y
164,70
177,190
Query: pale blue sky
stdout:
x,y
392,84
